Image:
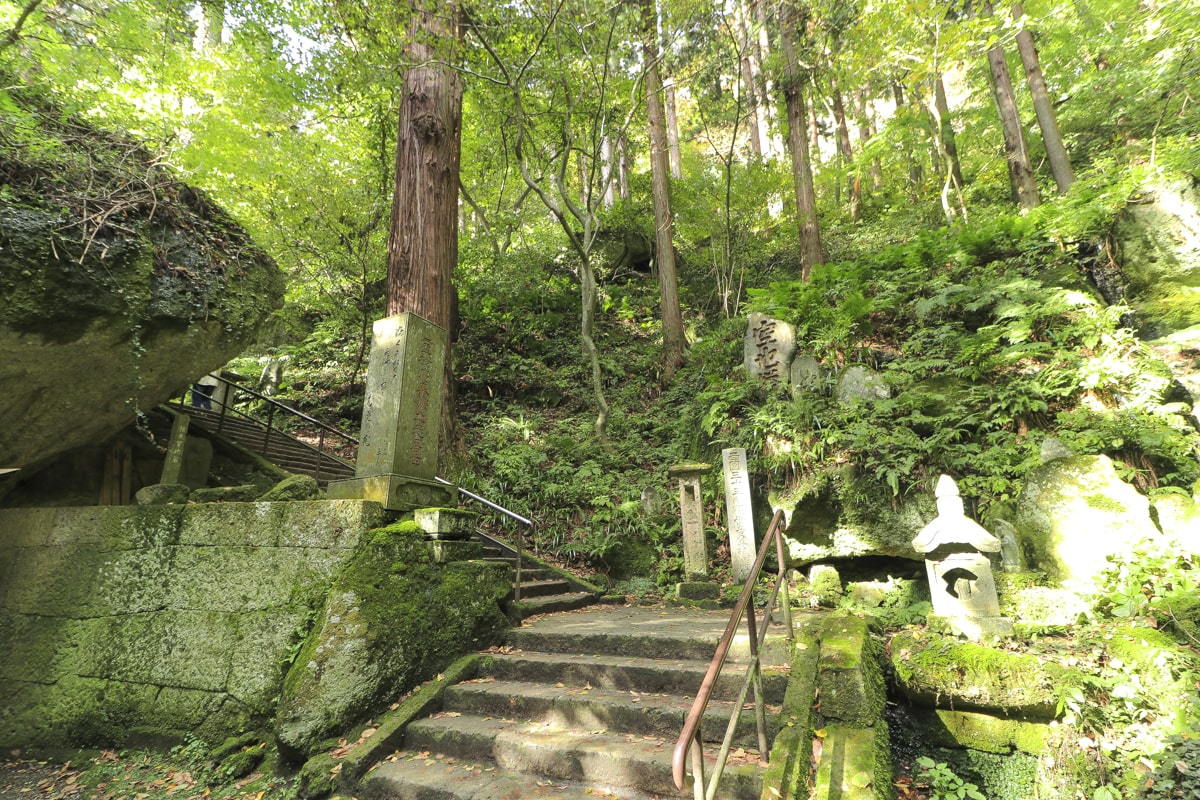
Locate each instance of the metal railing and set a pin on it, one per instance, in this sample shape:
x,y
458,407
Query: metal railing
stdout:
x,y
227,405
690,737
511,515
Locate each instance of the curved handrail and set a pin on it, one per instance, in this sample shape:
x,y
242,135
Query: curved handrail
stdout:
x,y
511,515
691,728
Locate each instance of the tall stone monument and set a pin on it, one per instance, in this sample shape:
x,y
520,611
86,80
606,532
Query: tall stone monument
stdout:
x,y
398,448
739,512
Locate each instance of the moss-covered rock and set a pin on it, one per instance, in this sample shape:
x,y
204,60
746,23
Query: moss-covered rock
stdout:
x,y
850,678
952,728
1075,512
943,672
131,292
392,619
295,487
830,521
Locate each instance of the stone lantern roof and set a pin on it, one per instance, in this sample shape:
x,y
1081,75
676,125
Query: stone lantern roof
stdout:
x,y
952,527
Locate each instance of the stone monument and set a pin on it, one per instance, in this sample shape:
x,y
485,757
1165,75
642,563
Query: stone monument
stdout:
x,y
398,448
769,347
739,512
696,585
961,583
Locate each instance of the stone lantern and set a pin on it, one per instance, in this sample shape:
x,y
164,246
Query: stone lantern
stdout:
x,y
961,583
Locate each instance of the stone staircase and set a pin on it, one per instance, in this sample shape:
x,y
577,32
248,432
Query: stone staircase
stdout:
x,y
583,705
281,449
544,590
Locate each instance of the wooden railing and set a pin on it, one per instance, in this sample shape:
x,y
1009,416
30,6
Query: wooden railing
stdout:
x,y
690,737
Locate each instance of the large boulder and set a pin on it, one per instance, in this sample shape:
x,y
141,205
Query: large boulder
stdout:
x,y
392,619
1157,240
1073,513
829,521
119,284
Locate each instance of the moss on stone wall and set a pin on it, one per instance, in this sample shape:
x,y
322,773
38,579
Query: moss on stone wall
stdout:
x,y
392,619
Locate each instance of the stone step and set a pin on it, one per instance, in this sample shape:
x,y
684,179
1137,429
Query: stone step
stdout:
x,y
542,588
629,673
427,776
604,761
632,643
598,710
554,603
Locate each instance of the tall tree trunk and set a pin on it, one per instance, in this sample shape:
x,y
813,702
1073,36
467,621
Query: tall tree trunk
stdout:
x,y
792,21
843,140
212,23
664,252
623,167
749,83
1020,170
608,172
1056,151
916,172
676,158
946,132
865,132
423,243
766,88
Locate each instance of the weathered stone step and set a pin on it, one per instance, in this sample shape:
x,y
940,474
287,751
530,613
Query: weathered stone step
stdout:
x,y
629,673
542,588
428,776
677,645
598,710
605,761
548,605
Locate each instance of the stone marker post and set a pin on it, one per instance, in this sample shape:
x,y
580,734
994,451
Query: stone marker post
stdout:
x,y
398,448
739,512
691,509
175,446
961,583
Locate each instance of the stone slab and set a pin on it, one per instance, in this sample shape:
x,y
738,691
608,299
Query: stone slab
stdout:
x,y
738,512
768,348
402,406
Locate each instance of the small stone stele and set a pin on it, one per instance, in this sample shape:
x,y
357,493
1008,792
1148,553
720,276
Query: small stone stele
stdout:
x,y
769,347
961,583
691,511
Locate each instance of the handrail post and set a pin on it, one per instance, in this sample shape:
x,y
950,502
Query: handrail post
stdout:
x,y
785,601
320,452
224,403
699,790
520,558
270,421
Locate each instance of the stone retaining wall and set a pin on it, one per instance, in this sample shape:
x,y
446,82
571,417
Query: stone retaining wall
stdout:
x,y
148,622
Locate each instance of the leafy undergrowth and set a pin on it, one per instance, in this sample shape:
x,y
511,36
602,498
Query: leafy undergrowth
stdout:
x,y
183,773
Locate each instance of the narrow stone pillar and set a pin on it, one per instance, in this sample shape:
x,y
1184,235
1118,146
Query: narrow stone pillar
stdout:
x,y
398,448
739,512
175,447
691,509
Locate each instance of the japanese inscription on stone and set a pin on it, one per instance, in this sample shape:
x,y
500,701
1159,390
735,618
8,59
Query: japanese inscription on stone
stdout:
x,y
769,347
401,410
739,512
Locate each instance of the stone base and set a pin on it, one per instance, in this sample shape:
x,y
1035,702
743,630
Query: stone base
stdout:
x,y
446,523
446,551
976,629
394,492
698,590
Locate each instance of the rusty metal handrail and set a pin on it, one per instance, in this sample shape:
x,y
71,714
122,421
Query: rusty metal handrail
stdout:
x,y
690,735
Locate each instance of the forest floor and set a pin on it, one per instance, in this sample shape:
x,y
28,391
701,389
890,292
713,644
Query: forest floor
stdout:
x,y
128,775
